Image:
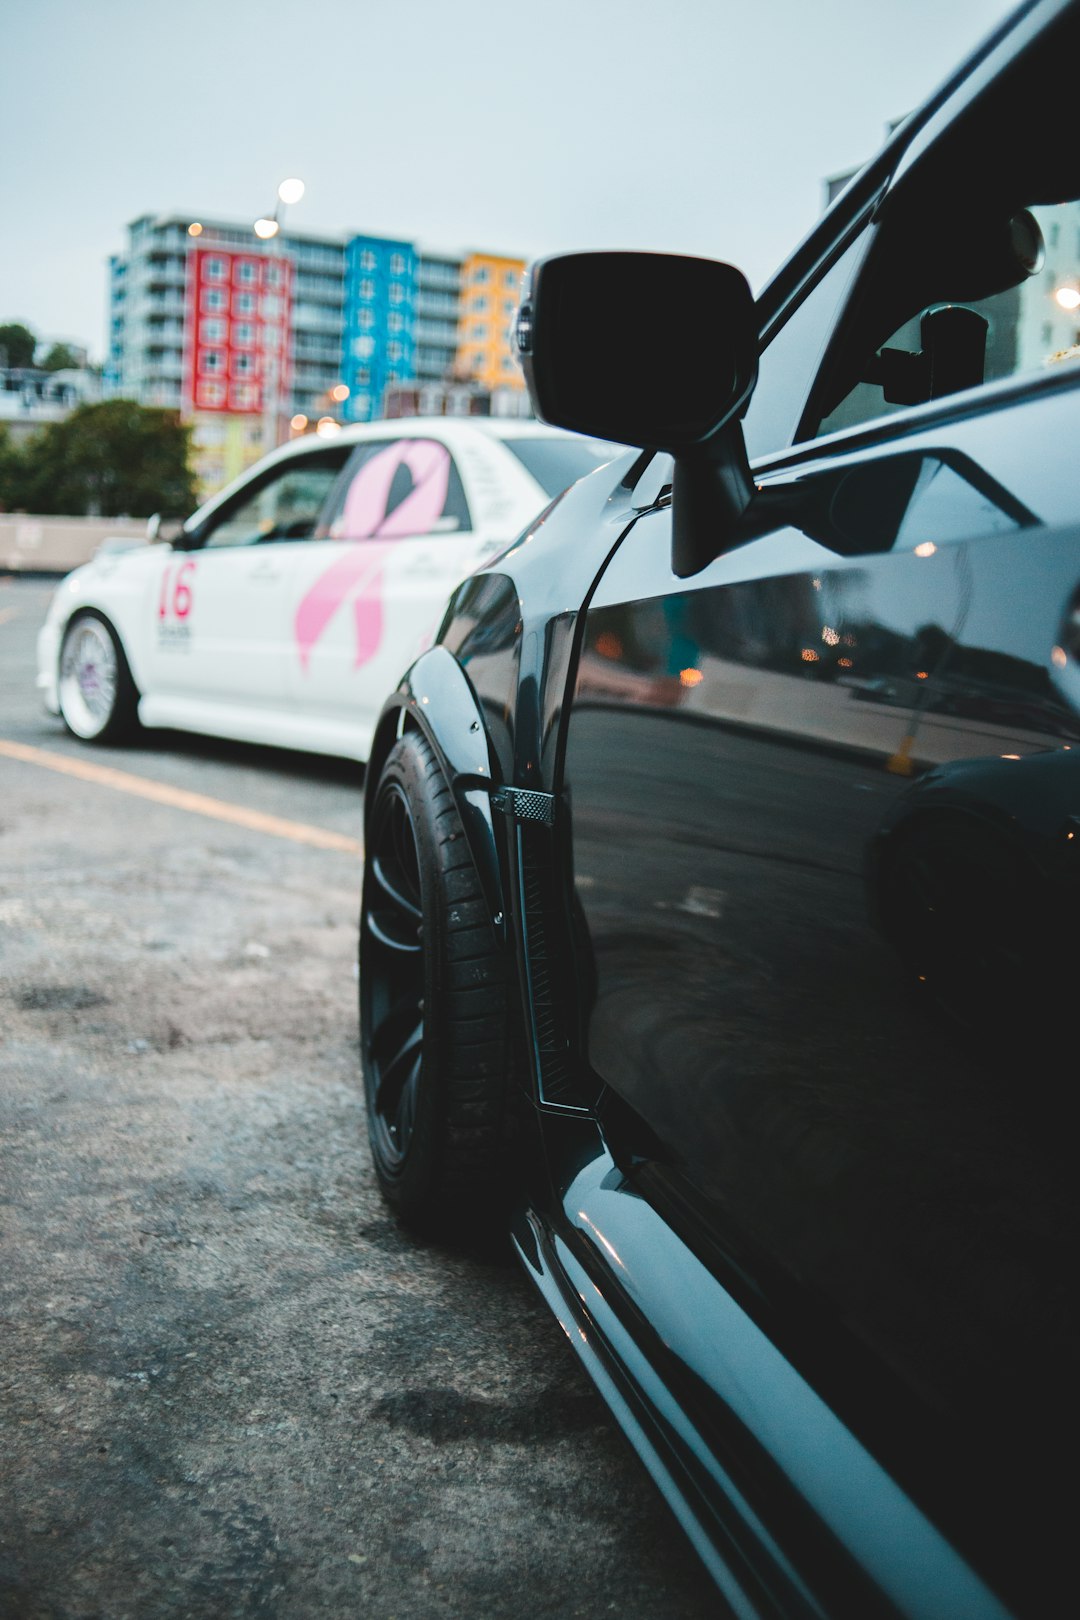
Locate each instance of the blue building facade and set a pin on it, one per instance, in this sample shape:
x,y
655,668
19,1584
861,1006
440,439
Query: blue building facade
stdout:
x,y
379,336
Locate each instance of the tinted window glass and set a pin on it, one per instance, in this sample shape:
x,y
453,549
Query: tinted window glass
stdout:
x,y
974,274
557,463
788,365
281,507
394,488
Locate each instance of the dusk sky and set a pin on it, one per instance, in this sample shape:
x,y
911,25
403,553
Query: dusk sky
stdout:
x,y
696,126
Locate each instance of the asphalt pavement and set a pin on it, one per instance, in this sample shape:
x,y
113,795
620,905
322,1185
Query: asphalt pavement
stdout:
x,y
230,1385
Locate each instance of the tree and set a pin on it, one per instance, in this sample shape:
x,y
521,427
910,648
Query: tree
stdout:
x,y
12,475
17,343
62,357
110,460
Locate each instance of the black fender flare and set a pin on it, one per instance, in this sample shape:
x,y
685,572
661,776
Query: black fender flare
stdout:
x,y
436,697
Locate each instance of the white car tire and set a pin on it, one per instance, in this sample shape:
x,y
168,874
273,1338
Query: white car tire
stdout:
x,y
97,696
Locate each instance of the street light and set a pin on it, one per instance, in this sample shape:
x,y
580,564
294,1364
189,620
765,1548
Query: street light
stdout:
x,y
268,230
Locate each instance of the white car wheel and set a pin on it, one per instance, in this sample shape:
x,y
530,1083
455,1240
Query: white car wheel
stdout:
x,y
95,689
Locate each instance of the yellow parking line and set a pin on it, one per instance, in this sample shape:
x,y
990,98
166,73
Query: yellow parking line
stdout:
x,y
180,799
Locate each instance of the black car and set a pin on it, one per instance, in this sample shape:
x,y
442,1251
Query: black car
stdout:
x,y
720,919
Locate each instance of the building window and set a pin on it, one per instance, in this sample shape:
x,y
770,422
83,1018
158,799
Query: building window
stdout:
x,y
275,274
397,292
363,347
509,307
212,331
213,360
367,260
394,321
362,376
479,301
245,303
243,365
479,334
367,288
243,334
214,298
510,278
245,270
393,351
243,397
211,395
367,318
481,274
215,270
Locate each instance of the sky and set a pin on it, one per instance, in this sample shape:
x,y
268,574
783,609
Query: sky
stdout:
x,y
690,126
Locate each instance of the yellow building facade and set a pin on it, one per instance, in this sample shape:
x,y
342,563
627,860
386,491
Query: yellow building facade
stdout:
x,y
490,291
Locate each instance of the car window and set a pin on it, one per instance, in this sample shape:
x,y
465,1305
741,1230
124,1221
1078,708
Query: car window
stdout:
x,y
283,506
974,272
790,361
558,463
393,488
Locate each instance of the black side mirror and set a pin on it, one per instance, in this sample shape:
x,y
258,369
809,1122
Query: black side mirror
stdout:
x,y
653,350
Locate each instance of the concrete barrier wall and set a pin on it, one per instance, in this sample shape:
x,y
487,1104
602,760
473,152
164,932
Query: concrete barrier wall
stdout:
x,y
55,545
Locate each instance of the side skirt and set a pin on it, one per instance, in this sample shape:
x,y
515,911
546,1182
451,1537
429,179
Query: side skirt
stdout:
x,y
790,1513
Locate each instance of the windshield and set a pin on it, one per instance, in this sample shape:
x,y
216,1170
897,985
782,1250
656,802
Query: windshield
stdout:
x,y
555,463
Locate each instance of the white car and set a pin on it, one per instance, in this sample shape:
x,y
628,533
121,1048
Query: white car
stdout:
x,y
290,603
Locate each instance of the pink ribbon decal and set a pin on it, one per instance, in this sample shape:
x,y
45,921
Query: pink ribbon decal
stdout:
x,y
364,518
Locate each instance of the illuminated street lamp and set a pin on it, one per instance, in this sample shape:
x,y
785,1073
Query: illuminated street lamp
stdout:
x,y
1068,297
268,230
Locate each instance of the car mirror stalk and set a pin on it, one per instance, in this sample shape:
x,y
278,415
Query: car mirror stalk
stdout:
x,y
711,492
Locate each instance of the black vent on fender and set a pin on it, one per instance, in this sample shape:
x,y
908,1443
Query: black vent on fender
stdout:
x,y
547,964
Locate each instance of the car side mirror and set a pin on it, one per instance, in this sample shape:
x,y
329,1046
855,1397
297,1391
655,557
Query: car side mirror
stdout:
x,y
162,530
653,350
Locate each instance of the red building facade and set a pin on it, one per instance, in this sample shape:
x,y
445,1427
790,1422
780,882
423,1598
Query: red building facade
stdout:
x,y
237,332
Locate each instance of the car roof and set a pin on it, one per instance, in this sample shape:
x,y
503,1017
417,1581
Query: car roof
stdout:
x,y
446,427
455,431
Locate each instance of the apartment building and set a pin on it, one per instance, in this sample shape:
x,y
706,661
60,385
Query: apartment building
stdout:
x,y
361,318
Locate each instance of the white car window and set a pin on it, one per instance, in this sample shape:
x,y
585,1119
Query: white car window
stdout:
x,y
284,506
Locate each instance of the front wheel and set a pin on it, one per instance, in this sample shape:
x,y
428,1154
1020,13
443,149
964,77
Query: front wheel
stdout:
x,y
433,1004
97,695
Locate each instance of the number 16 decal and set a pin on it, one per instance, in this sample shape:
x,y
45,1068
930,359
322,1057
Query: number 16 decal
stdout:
x,y
175,597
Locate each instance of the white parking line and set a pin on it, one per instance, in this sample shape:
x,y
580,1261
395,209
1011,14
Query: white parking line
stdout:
x,y
199,804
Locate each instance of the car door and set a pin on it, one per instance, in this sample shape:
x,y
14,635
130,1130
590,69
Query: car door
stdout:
x,y
824,799
221,609
370,584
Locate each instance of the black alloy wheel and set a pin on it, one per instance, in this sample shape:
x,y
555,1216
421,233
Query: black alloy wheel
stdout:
x,y
433,1004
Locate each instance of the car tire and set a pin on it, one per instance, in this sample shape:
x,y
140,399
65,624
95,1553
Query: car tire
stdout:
x,y
98,698
435,1036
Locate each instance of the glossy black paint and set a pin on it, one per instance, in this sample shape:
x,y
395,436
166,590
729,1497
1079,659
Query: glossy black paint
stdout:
x,y
797,958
